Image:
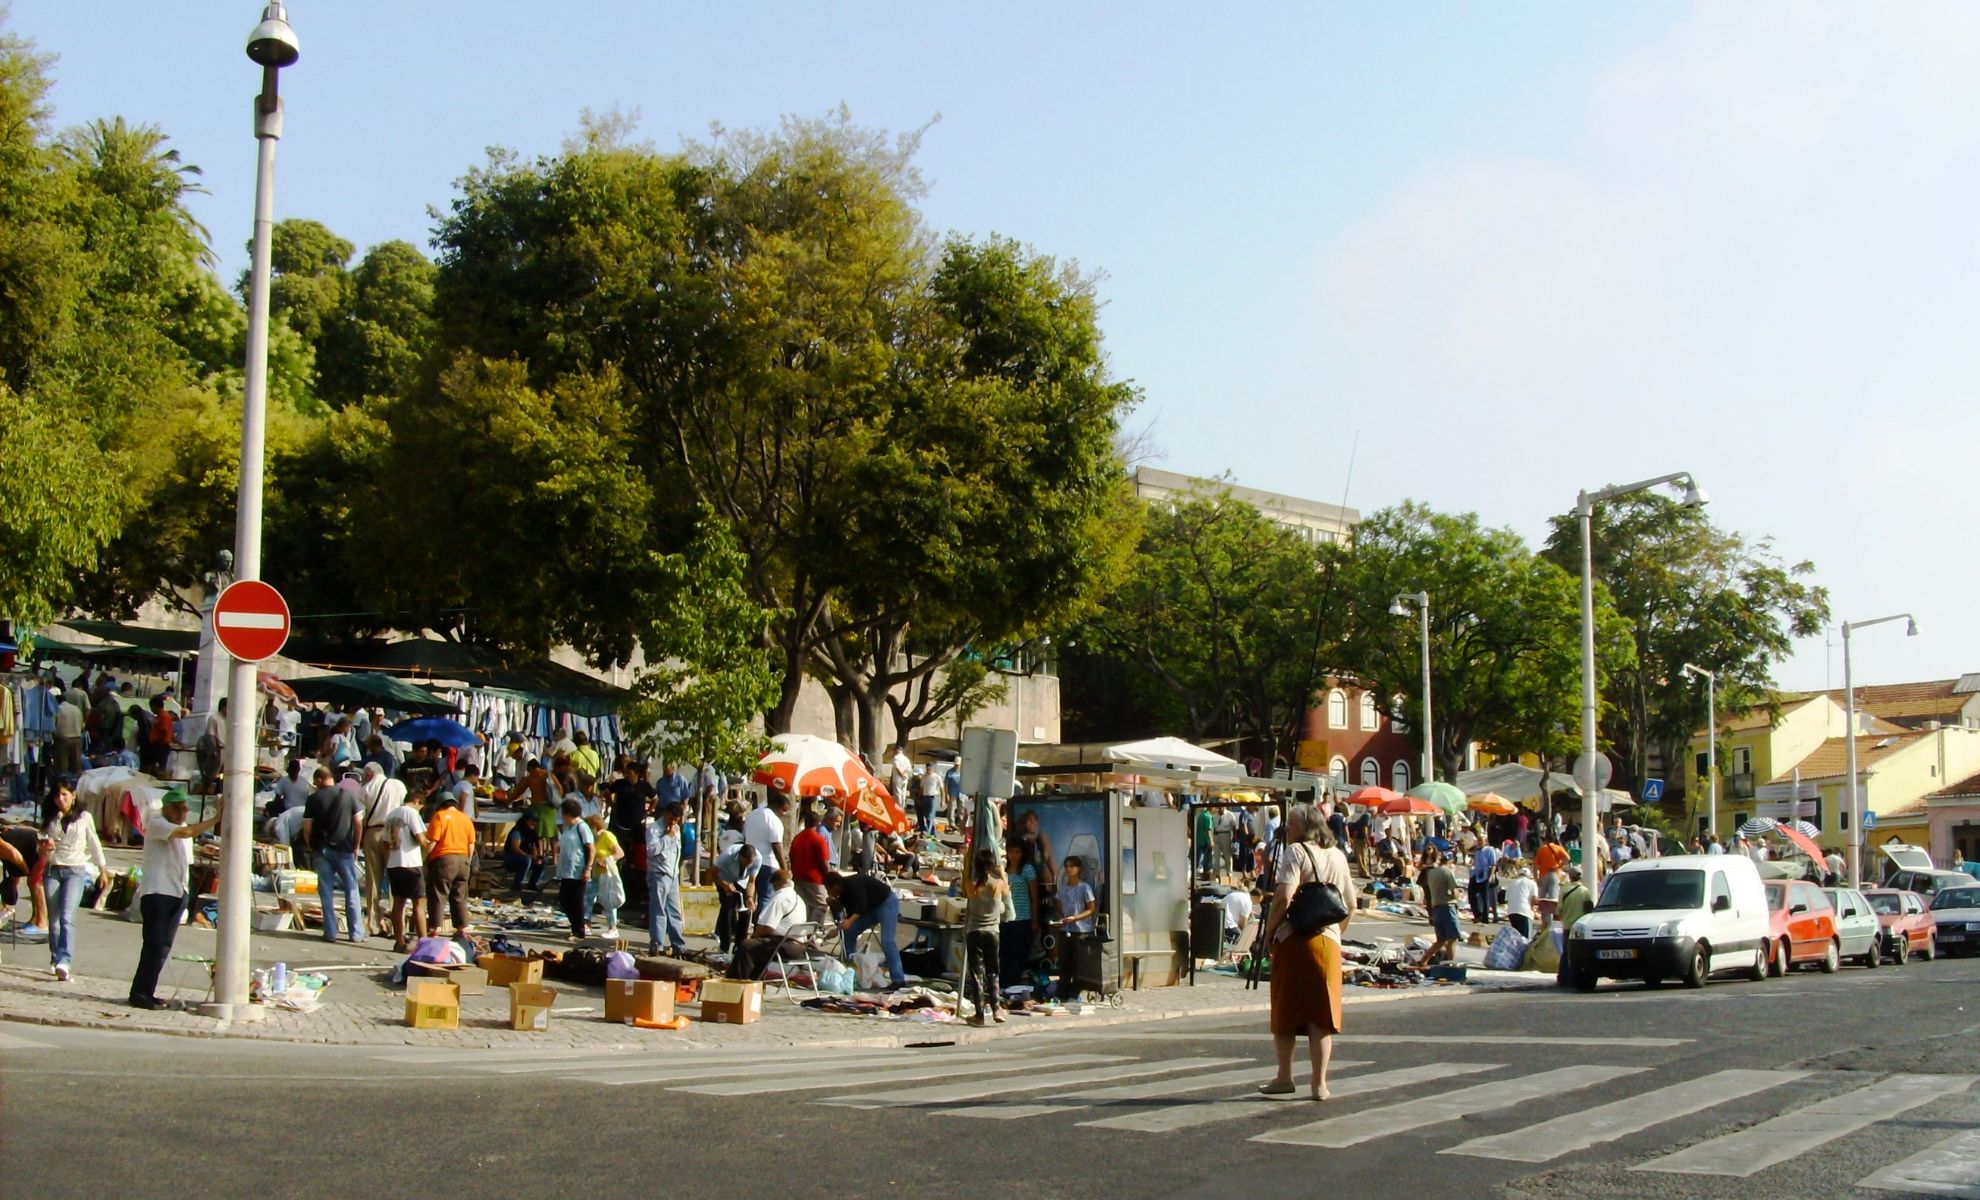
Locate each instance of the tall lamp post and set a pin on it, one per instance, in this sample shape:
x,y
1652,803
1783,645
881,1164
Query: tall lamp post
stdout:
x,y
1849,706
1711,742
272,46
1400,608
1584,510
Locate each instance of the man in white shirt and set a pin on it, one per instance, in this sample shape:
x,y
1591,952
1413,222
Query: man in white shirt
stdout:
x,y
1238,907
763,830
404,863
382,796
901,770
783,909
162,894
927,793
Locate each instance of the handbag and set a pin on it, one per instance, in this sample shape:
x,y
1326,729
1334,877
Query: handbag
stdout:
x,y
1316,905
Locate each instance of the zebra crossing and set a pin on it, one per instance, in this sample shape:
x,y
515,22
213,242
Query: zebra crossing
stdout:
x,y
1548,1114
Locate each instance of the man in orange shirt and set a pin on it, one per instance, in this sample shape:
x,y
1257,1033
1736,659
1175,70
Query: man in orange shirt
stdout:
x,y
448,842
1549,860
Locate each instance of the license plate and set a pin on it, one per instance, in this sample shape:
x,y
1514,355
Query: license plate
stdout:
x,y
1615,954
1952,937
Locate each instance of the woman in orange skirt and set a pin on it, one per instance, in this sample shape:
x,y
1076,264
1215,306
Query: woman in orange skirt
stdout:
x,y
1306,971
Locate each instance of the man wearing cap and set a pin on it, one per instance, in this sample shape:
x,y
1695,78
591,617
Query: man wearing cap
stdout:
x,y
162,893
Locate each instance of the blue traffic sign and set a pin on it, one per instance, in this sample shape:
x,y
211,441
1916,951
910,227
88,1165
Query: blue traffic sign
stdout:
x,y
1653,790
1869,819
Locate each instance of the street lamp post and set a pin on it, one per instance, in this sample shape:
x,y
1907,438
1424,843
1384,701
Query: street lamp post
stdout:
x,y
1584,510
1849,742
272,45
1400,607
1711,742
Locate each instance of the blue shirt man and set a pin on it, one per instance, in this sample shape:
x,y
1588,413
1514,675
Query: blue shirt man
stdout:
x,y
673,788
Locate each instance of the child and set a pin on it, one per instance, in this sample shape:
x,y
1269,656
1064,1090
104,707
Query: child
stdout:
x,y
982,916
609,888
1076,908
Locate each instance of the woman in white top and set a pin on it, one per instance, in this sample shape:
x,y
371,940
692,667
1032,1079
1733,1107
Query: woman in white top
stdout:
x,y
71,844
1521,892
1306,970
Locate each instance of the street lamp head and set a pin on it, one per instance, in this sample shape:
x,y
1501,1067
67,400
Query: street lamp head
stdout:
x,y
1694,496
273,43
1397,608
1910,627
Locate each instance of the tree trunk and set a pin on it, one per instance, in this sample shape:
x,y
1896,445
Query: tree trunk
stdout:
x,y
845,716
870,705
778,720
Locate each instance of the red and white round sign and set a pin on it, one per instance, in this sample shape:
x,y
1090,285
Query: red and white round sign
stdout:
x,y
251,620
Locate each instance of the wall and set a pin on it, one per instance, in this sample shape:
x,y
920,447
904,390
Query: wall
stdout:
x,y
1037,694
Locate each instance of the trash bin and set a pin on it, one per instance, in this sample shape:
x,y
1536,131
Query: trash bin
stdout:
x,y
1206,928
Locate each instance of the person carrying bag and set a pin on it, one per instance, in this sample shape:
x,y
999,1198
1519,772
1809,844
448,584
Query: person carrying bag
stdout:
x,y
1308,919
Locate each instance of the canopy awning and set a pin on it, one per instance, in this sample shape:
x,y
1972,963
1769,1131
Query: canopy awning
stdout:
x,y
1174,754
1530,785
368,688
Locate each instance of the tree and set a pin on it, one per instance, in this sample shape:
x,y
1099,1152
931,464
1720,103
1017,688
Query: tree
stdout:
x,y
1230,613
706,699
380,344
1505,633
1695,593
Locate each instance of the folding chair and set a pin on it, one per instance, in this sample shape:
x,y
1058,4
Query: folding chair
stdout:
x,y
806,935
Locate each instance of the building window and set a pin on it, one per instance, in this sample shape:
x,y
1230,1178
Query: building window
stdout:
x,y
1337,709
1742,760
1338,768
1400,777
1371,773
1368,718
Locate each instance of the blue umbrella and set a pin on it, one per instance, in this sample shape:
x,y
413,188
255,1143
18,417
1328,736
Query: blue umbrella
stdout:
x,y
447,732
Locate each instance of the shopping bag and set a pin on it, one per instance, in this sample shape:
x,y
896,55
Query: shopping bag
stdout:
x,y
611,890
1506,950
870,968
1542,955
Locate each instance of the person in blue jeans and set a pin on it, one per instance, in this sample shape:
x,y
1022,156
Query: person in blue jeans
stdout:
x,y
333,822
664,929
866,903
73,849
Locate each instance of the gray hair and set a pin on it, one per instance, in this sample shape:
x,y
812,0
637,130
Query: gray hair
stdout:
x,y
1305,824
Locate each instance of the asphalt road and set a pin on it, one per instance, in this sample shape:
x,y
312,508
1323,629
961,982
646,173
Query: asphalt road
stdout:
x,y
1802,1087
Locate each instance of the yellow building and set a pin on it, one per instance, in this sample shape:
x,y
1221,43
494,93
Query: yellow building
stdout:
x,y
1912,740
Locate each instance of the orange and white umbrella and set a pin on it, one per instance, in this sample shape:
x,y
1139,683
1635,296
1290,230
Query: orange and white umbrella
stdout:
x,y
1372,796
1492,804
811,766
874,808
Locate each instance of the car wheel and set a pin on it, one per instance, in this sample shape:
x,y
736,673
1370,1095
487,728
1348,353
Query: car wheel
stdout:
x,y
1779,967
1700,963
1931,950
1758,971
1902,953
1833,959
1875,958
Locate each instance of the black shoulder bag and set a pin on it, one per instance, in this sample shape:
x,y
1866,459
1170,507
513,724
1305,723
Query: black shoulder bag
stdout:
x,y
1316,905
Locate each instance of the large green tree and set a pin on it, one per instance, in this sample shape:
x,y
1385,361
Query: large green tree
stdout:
x,y
1691,593
1230,615
1505,633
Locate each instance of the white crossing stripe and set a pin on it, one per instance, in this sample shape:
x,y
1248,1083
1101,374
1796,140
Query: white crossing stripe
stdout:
x,y
1073,1101
1948,1168
933,1069
1760,1146
1370,1123
249,620
1185,1116
977,1089
625,1072
621,1054
1580,1130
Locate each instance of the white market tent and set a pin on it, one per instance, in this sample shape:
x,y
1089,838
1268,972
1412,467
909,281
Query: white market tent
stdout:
x,y
1174,754
1531,786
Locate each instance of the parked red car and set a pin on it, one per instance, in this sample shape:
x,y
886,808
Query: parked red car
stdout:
x,y
1801,927
1908,925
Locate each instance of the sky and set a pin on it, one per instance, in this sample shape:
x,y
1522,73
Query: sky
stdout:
x,y
1476,255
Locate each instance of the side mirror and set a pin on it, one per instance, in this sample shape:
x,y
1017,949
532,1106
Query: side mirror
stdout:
x,y
1799,908
1721,903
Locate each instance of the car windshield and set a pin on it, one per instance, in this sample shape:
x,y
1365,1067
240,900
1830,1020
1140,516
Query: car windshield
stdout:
x,y
1887,905
1776,899
1965,897
1653,889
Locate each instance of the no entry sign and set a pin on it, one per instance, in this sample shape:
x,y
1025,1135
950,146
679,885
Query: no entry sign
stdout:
x,y
251,620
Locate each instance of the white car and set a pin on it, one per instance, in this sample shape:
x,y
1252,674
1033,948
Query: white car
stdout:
x,y
1859,932
1684,916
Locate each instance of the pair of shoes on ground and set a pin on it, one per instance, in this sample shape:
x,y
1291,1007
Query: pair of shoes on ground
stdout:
x,y
1276,1090
150,1003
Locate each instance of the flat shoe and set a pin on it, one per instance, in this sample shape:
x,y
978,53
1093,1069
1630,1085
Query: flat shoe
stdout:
x,y
1321,1096
1275,1089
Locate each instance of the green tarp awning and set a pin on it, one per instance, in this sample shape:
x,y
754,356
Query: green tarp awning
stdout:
x,y
367,688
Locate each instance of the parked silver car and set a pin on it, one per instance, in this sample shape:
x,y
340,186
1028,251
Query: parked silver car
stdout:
x,y
1858,929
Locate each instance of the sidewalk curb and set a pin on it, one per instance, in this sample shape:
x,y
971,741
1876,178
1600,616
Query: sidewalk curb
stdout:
x,y
919,1035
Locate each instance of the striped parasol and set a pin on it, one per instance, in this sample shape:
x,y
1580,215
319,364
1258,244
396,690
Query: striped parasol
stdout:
x,y
1804,828
1758,827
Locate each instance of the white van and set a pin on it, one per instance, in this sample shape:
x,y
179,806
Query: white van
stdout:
x,y
1681,917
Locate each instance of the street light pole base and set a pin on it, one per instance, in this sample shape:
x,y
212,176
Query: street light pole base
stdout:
x,y
245,1014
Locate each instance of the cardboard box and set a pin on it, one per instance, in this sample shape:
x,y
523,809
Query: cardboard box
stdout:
x,y
505,969
472,980
433,1004
638,1000
529,1006
732,1001
268,920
